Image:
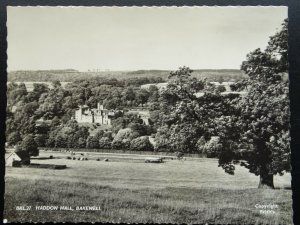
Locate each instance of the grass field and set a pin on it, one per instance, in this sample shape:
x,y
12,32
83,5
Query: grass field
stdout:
x,y
130,191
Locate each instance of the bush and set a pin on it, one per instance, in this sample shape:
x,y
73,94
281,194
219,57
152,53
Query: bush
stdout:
x,y
123,138
29,146
92,142
81,143
201,144
210,148
126,133
105,143
99,134
141,144
124,144
221,88
14,138
24,155
117,144
41,139
108,135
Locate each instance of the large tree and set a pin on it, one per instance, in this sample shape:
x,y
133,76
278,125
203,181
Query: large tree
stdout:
x,y
189,108
253,130
265,110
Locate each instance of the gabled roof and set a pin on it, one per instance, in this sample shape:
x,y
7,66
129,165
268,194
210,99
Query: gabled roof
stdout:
x,y
15,155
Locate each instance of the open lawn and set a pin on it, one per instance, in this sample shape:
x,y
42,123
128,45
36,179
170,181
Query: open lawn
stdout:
x,y
131,191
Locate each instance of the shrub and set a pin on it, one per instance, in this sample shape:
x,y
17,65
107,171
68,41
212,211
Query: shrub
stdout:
x,y
41,139
221,88
14,138
105,142
108,135
123,138
29,145
117,144
141,144
24,155
92,142
211,148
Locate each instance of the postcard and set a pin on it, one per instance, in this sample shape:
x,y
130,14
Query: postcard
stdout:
x,y
175,115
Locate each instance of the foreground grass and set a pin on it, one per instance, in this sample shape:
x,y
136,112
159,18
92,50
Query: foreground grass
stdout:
x,y
166,205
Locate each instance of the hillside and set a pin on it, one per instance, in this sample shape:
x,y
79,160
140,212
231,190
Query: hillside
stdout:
x,y
72,75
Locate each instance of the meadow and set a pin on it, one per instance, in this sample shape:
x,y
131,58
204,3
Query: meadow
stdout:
x,y
131,191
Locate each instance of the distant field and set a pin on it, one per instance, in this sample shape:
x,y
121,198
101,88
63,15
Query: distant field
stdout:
x,y
72,75
129,190
29,84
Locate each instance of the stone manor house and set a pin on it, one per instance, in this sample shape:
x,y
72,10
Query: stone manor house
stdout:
x,y
104,116
99,115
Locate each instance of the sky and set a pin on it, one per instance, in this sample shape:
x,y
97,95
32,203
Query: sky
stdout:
x,y
136,38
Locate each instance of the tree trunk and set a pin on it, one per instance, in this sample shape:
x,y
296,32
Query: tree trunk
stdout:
x,y
266,180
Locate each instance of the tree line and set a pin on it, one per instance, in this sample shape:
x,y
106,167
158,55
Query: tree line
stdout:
x,y
145,76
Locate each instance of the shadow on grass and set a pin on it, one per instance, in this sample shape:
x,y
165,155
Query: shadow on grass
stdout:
x,y
283,188
42,158
46,166
47,158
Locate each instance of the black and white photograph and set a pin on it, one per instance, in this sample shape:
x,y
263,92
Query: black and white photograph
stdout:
x,y
177,115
